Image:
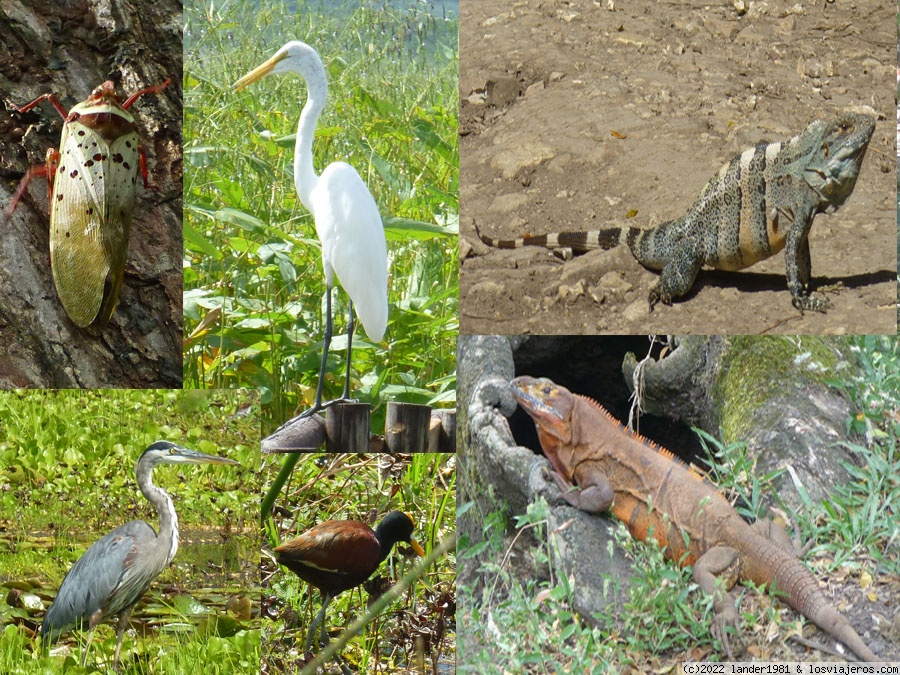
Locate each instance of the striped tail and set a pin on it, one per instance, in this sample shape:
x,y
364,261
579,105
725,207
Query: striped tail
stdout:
x,y
578,242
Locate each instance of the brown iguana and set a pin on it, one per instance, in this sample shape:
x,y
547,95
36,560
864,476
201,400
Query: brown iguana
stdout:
x,y
655,495
760,202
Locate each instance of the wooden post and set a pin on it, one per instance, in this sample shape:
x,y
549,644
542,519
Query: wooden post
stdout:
x,y
406,427
347,428
442,435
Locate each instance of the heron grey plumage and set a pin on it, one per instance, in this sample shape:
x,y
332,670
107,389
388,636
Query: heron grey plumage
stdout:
x,y
111,576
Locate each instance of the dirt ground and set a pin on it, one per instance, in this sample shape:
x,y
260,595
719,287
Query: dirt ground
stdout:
x,y
582,114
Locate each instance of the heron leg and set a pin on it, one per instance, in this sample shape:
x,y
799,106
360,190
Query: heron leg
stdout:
x,y
320,618
94,619
350,326
87,647
120,633
317,404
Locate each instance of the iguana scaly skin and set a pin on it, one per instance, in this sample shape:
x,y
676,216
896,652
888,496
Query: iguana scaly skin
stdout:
x,y
657,496
762,201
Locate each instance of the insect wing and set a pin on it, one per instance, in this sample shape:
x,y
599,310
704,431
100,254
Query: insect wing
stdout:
x,y
90,216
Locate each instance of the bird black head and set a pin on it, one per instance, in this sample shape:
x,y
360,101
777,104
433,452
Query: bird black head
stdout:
x,y
396,527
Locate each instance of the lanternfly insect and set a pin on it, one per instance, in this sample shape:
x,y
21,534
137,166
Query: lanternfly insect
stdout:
x,y
92,191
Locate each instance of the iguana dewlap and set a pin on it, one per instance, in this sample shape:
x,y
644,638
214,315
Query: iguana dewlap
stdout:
x,y
656,495
762,201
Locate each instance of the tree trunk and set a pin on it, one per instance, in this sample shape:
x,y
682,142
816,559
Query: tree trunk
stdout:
x,y
769,392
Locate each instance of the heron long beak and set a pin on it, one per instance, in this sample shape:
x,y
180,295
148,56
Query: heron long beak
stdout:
x,y
258,72
181,455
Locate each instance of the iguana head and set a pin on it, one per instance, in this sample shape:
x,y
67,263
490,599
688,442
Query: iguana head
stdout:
x,y
549,405
844,141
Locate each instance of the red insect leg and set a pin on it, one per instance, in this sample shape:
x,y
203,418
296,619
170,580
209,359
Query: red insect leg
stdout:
x,y
143,159
47,170
147,90
39,99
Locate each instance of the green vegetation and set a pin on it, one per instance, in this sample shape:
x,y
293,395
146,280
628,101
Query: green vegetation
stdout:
x,y
774,356
366,487
250,246
520,616
67,478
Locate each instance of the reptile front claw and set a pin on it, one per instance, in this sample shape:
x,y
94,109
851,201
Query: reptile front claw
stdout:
x,y
726,621
813,303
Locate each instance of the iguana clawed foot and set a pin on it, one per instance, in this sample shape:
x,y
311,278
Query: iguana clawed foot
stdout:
x,y
726,618
813,303
656,296
594,498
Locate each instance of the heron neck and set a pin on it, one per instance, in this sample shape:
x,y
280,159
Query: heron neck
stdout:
x,y
168,519
304,173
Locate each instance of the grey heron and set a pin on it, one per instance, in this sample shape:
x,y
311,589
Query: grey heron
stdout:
x,y
111,576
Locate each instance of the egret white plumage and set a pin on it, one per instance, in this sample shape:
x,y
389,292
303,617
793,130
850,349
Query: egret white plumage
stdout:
x,y
347,221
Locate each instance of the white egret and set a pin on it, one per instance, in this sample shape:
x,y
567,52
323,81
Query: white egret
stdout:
x,y
347,220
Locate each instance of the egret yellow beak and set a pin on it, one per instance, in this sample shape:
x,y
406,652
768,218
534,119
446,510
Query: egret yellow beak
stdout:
x,y
258,72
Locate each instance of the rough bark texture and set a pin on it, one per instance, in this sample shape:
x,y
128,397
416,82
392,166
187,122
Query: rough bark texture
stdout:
x,y
767,392
69,48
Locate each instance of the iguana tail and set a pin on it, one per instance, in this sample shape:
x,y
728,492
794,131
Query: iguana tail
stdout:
x,y
794,583
579,242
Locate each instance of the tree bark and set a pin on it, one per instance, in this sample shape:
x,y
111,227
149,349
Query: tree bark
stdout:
x,y
769,392
70,48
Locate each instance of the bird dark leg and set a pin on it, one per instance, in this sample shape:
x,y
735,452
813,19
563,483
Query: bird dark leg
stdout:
x,y
350,325
94,619
87,648
326,346
320,618
317,404
120,633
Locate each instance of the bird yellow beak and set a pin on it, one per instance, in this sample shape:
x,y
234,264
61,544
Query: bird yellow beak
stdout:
x,y
417,548
257,73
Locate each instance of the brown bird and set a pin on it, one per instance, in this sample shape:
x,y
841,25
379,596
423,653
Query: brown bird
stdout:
x,y
340,554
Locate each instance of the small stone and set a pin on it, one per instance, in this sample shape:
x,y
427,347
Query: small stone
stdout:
x,y
570,294
637,310
532,88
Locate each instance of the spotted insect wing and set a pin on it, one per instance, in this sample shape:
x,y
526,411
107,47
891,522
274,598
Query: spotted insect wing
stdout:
x,y
92,178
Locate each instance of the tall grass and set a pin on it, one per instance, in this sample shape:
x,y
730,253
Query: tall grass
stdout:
x,y
250,246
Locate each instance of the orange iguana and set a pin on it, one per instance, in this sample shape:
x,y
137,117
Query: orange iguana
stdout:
x,y
599,465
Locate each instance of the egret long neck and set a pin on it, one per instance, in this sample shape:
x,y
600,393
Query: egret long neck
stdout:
x,y
304,174
165,510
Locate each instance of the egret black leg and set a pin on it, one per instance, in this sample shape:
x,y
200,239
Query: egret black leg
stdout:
x,y
317,404
350,326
